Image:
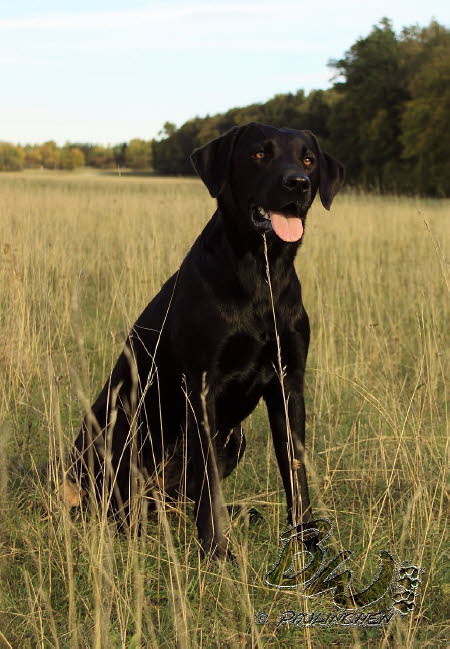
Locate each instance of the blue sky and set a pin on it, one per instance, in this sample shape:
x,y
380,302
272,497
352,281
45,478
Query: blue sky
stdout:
x,y
108,71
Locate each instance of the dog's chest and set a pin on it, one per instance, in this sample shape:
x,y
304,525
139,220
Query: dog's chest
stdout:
x,y
248,352
243,355
246,364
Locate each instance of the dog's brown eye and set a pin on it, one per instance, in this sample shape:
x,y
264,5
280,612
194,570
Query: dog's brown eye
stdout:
x,y
308,162
259,155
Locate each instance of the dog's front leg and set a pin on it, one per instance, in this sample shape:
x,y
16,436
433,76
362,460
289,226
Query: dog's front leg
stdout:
x,y
289,442
209,508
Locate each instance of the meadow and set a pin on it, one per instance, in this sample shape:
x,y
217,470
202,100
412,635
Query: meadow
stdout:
x,y
80,257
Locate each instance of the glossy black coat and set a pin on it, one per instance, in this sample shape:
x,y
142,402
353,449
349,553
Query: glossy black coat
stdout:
x,y
210,331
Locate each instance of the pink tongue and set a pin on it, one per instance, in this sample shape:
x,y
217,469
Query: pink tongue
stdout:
x,y
288,228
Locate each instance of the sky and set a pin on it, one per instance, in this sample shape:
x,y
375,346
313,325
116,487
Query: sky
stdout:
x,y
107,71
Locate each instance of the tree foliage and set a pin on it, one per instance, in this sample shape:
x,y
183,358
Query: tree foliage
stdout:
x,y
50,155
11,157
135,155
425,133
386,116
71,157
138,154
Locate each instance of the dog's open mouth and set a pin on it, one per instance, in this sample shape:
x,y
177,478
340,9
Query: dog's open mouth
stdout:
x,y
285,222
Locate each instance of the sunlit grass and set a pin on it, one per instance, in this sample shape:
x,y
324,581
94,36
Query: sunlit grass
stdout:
x,y
79,260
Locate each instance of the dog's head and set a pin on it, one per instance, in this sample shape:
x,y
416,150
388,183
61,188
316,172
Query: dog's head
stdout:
x,y
273,175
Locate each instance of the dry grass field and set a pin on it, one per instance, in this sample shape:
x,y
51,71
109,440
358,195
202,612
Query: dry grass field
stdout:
x,y
80,257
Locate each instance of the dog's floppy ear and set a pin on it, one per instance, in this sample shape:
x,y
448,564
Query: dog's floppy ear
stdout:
x,y
212,161
331,174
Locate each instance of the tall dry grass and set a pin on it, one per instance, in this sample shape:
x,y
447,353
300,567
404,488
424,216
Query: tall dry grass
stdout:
x,y
80,257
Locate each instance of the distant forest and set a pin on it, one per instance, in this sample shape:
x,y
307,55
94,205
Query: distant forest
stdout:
x,y
386,117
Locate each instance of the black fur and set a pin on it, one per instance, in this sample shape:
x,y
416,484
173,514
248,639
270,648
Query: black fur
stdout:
x,y
210,330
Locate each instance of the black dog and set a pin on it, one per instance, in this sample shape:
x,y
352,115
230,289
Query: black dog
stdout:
x,y
204,351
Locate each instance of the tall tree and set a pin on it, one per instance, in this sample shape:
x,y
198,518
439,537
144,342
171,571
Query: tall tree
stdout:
x,y
426,118
138,154
372,95
11,157
71,157
50,154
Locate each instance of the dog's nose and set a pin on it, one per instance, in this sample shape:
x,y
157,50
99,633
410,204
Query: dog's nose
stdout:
x,y
296,181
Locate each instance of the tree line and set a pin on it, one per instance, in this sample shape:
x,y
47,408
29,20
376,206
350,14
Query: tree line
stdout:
x,y
135,154
386,117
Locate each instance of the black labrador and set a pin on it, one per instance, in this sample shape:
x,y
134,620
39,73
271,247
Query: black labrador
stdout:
x,y
204,351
